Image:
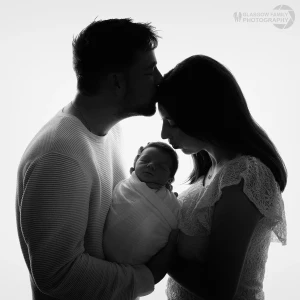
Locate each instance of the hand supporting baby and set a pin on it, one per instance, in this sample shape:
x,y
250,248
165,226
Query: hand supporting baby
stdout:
x,y
160,263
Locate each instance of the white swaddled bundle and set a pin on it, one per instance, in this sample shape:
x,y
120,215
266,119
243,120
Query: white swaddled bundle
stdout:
x,y
139,221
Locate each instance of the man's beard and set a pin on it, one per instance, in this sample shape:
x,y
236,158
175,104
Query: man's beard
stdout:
x,y
129,109
146,110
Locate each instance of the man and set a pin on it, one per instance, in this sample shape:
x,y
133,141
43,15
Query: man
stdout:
x,y
68,171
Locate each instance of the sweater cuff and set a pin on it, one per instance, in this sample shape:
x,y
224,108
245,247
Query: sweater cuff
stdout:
x,y
143,281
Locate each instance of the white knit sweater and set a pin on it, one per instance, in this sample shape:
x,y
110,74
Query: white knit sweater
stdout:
x,y
65,182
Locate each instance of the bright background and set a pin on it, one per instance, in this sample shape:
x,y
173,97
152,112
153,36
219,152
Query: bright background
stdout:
x,y
37,80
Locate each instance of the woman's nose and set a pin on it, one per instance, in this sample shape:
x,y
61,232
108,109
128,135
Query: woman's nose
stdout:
x,y
164,132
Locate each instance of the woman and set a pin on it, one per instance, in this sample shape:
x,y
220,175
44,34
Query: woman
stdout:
x,y
233,208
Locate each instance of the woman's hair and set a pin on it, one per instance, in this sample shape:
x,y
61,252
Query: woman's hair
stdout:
x,y
205,101
164,147
107,46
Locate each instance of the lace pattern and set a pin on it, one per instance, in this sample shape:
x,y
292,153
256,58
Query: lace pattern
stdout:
x,y
262,189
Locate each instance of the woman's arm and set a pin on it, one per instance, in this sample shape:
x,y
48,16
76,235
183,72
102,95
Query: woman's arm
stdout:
x,y
234,221
189,274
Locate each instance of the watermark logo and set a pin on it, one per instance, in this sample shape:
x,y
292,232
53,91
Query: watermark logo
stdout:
x,y
237,16
282,16
289,21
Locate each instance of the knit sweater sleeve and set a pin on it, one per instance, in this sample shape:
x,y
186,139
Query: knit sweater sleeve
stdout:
x,y
54,216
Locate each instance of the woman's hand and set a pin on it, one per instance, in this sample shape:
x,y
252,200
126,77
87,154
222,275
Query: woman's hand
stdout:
x,y
159,264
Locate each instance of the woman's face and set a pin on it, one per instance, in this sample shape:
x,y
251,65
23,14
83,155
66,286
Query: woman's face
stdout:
x,y
177,138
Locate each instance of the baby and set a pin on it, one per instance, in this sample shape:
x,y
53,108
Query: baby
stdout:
x,y
144,210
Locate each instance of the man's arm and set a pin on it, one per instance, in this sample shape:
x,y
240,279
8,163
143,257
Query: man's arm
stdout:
x,y
54,215
234,221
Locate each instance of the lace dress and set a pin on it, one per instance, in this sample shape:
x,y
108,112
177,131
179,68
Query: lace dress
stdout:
x,y
196,217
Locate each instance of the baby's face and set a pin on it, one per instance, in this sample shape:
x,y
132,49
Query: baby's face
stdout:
x,y
153,166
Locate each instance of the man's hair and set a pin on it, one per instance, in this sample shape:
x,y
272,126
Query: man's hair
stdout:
x,y
107,46
164,147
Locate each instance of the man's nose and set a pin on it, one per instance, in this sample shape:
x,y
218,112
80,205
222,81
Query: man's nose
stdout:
x,y
158,77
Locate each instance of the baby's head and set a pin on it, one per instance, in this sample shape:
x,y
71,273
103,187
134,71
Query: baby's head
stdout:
x,y
156,165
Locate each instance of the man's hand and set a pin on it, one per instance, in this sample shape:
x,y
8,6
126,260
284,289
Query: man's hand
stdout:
x,y
159,263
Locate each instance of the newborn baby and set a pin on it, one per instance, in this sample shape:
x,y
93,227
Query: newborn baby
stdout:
x,y
144,210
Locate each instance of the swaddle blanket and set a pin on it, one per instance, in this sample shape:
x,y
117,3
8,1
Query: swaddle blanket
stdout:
x,y
139,221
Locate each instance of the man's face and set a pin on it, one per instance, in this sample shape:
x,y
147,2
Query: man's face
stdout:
x,y
143,78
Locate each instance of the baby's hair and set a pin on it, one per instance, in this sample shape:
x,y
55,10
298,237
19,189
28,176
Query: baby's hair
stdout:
x,y
167,149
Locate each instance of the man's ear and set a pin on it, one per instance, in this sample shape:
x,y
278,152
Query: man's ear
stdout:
x,y
117,82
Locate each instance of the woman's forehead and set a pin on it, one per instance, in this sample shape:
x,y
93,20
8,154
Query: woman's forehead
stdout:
x,y
163,112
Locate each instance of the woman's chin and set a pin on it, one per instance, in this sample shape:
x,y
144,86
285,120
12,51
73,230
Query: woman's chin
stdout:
x,y
188,151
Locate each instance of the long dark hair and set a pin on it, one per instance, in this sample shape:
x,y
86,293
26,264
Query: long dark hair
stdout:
x,y
205,101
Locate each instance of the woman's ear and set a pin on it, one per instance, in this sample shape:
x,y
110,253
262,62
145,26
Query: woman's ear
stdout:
x,y
131,170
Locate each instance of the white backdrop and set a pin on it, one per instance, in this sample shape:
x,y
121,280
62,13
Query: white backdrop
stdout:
x,y
37,80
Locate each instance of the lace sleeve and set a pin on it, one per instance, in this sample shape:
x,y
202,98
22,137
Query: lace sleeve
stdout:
x,y
260,187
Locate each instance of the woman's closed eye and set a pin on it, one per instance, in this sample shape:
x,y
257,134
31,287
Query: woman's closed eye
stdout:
x,y
171,123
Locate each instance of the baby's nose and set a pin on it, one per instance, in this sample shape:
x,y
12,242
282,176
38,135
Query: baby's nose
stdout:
x,y
151,166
